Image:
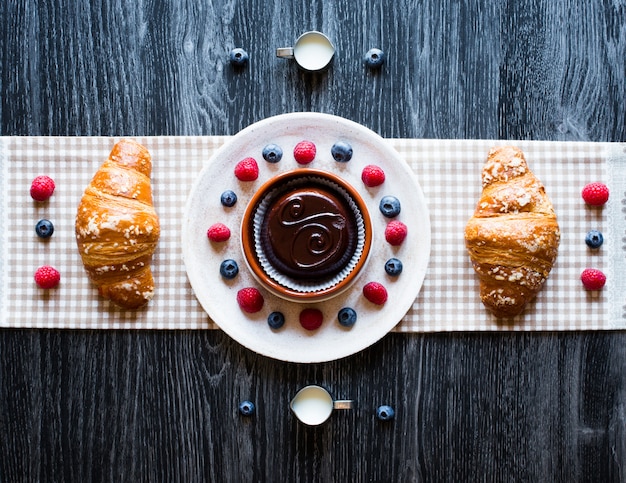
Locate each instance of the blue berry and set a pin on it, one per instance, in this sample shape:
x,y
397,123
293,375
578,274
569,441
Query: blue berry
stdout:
x,y
347,317
276,320
341,152
393,267
229,269
594,239
374,58
272,153
246,408
228,198
389,206
44,228
238,57
385,413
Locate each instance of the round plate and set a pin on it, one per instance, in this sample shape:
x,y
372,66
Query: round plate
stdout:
x,y
203,258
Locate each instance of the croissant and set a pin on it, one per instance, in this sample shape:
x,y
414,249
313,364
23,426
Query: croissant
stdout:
x,y
117,227
513,236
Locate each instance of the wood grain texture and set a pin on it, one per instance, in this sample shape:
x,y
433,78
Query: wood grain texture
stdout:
x,y
162,406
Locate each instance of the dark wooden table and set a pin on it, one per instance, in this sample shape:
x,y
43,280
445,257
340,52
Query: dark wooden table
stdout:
x,y
162,406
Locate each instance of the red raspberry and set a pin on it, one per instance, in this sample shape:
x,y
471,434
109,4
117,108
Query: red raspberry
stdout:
x,y
593,279
395,232
47,277
304,152
311,319
372,175
247,170
595,194
42,188
218,232
250,300
375,293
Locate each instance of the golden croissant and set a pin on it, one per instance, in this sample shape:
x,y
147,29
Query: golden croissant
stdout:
x,y
513,236
117,227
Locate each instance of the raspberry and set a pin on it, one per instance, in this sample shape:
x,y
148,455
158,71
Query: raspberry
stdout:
x,y
311,319
395,232
372,175
250,300
218,232
595,194
593,279
247,170
375,293
42,188
304,152
47,277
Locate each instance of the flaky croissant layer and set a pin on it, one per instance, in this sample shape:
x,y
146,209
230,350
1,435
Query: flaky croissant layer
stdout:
x,y
117,227
513,236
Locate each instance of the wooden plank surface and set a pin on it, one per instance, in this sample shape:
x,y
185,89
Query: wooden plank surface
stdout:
x,y
162,406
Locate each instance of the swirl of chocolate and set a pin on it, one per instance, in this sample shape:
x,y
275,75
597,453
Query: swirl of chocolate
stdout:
x,y
309,232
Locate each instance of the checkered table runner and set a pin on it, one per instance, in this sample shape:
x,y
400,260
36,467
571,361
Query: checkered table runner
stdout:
x,y
448,171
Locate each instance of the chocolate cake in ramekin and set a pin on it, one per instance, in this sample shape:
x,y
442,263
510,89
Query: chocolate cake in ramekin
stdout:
x,y
306,234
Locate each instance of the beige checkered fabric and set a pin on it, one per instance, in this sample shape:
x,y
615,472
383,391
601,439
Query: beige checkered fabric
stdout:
x,y
449,174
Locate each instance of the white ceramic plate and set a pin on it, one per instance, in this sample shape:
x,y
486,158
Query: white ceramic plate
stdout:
x,y
203,258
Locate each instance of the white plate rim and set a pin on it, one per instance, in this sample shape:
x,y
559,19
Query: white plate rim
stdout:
x,y
217,297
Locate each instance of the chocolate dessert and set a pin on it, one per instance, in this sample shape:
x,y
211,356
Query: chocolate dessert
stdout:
x,y
306,234
309,232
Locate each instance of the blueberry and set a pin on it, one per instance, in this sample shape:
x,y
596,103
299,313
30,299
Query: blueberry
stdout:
x,y
44,228
385,413
272,153
276,320
229,269
389,206
374,58
341,151
238,57
228,198
347,317
246,408
594,239
393,267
